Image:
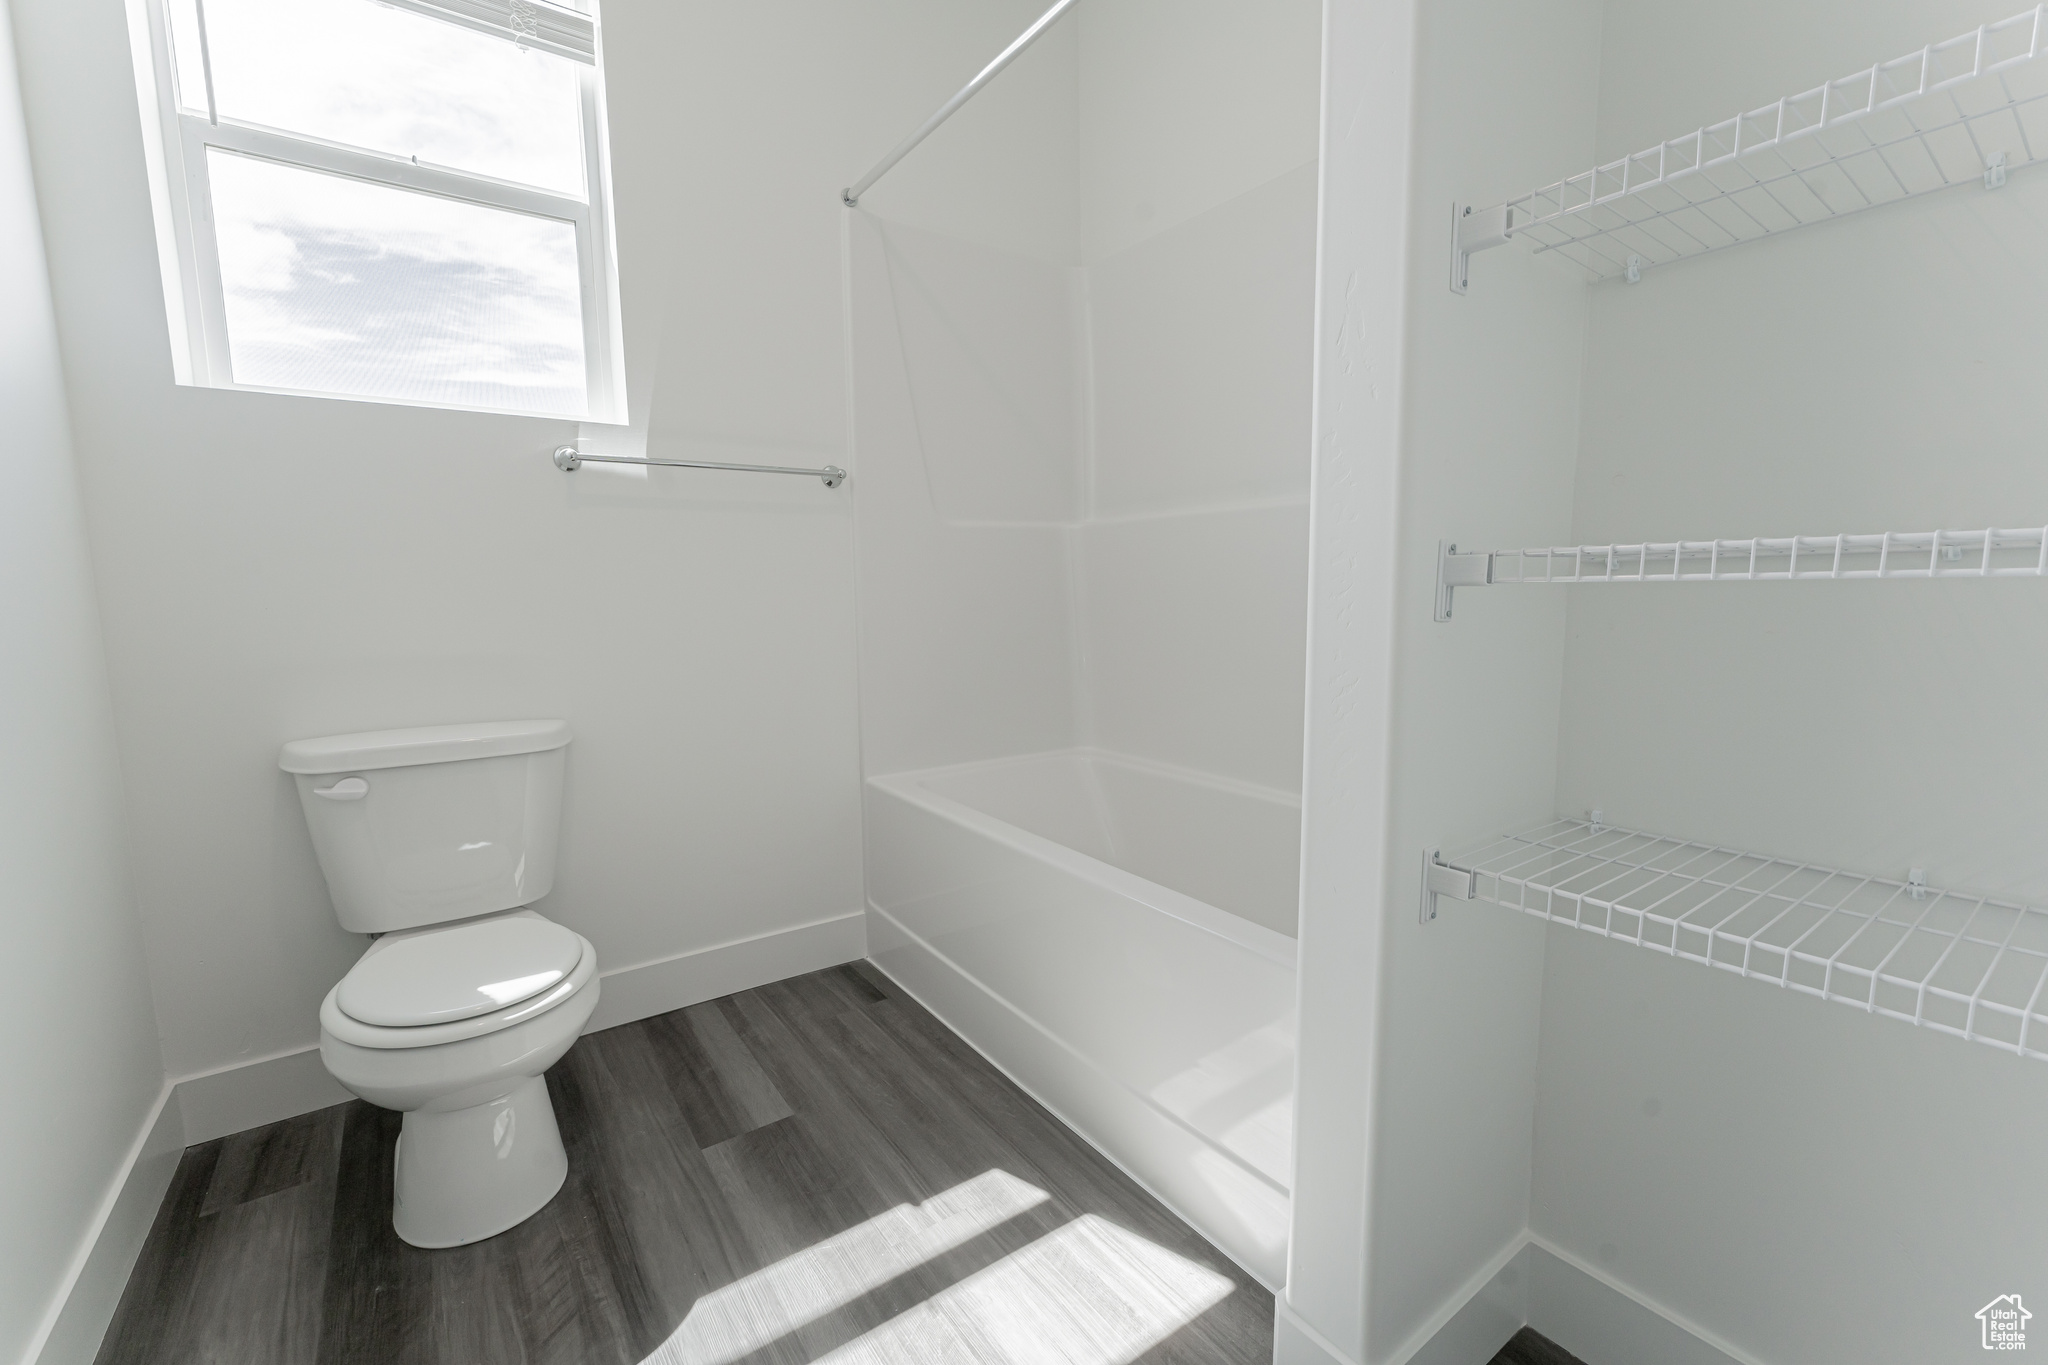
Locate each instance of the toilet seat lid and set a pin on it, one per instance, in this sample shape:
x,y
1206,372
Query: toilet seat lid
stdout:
x,y
443,975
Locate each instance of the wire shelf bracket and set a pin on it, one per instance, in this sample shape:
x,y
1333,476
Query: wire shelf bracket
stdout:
x,y
1961,964
1965,111
1990,553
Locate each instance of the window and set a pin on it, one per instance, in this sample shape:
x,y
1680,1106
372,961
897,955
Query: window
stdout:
x,y
399,200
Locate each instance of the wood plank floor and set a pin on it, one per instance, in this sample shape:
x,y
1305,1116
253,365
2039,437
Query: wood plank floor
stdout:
x,y
1531,1347
813,1169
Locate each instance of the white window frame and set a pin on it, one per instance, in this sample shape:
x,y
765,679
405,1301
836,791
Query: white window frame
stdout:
x,y
176,141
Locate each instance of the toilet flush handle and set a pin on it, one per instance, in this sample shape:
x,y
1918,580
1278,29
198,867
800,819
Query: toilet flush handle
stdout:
x,y
348,789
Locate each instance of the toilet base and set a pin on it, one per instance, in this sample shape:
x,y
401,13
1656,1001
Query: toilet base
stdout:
x,y
467,1174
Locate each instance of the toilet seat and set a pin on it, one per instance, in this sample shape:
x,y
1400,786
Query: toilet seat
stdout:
x,y
438,974
438,977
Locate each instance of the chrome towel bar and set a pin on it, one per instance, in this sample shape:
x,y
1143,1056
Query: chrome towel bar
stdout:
x,y
568,459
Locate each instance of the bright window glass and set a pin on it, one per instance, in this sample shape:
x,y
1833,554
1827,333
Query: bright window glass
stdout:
x,y
392,81
191,63
335,285
396,200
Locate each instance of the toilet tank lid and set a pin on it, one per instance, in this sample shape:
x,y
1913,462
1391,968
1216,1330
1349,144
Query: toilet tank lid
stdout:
x,y
428,744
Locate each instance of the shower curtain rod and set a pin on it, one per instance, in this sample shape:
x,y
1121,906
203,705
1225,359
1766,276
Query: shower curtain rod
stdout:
x,y
851,196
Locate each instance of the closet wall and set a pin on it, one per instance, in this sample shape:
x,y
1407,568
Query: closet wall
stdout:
x,y
1735,1154
1492,401
1794,1179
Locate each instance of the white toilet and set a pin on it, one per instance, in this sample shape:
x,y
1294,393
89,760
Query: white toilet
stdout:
x,y
434,839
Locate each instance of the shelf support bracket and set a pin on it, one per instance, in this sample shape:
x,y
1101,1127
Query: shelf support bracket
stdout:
x,y
1476,230
1454,570
1440,878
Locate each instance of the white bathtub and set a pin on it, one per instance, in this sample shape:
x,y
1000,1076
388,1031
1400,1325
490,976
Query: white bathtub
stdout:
x,y
1119,938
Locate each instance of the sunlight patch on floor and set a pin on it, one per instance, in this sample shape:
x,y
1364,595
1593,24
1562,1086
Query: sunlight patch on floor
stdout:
x,y
1088,1294
748,1314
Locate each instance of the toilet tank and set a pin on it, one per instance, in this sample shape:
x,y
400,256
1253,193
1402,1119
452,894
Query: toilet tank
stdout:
x,y
418,827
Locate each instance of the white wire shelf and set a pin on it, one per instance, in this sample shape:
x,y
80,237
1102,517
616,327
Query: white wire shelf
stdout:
x,y
1953,113
1960,964
1990,553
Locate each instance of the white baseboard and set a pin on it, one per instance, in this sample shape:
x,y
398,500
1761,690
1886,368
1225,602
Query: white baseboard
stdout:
x,y
1605,1322
235,1098
1297,1343
1590,1314
91,1289
1478,1321
670,983
251,1094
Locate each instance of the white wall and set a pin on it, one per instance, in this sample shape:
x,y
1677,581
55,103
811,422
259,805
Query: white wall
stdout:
x,y
274,567
1362,254
82,1068
1807,1182
1487,454
1485,451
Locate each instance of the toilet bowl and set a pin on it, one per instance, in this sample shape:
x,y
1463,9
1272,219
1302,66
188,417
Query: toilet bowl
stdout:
x,y
436,840
479,1151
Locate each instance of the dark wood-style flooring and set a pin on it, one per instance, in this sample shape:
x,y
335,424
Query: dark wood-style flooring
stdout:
x,y
817,1167
1531,1347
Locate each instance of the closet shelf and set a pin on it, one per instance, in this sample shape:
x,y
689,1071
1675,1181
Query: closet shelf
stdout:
x,y
1990,553
1960,964
1952,113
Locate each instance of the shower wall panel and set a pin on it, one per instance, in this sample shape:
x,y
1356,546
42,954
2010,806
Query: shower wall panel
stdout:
x,y
1195,558
1186,104
966,464
1001,171
1194,635
987,342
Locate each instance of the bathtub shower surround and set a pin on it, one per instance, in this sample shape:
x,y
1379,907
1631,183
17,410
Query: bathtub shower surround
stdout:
x,y
1119,936
1081,445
